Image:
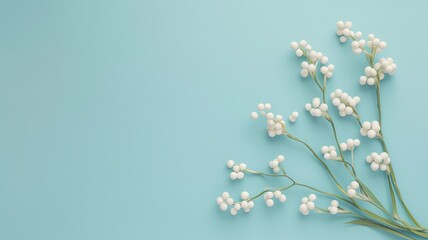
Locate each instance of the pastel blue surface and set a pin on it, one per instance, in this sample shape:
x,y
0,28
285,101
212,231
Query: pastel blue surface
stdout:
x,y
117,117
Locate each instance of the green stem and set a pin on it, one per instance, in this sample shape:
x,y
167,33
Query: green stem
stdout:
x,y
289,135
391,178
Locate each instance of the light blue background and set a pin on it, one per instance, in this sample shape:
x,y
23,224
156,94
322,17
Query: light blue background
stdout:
x,y
117,117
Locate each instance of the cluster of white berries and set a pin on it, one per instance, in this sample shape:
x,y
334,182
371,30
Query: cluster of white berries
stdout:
x,y
275,123
350,144
317,109
358,46
270,195
344,31
385,65
329,152
334,207
307,204
293,116
379,161
274,164
352,189
224,201
370,129
238,170
375,43
245,204
303,48
369,77
344,102
309,68
327,71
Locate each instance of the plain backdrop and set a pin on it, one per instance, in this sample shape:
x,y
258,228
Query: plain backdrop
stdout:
x,y
117,117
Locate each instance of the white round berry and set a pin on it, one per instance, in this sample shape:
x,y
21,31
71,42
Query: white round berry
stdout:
x,y
316,102
225,195
363,80
324,107
312,197
254,115
282,198
242,166
340,24
352,193
374,166
334,203
229,201
354,185
367,125
384,155
223,206
303,208
233,211
280,158
357,142
269,202
230,163
336,102
274,163
387,160
311,205
324,60
245,195
294,45
350,143
219,200
233,175
304,73
333,210
371,133
277,194
324,149
304,65
324,70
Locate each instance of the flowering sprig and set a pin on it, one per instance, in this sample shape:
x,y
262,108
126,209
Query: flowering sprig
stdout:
x,y
275,123
348,198
307,204
379,161
345,103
